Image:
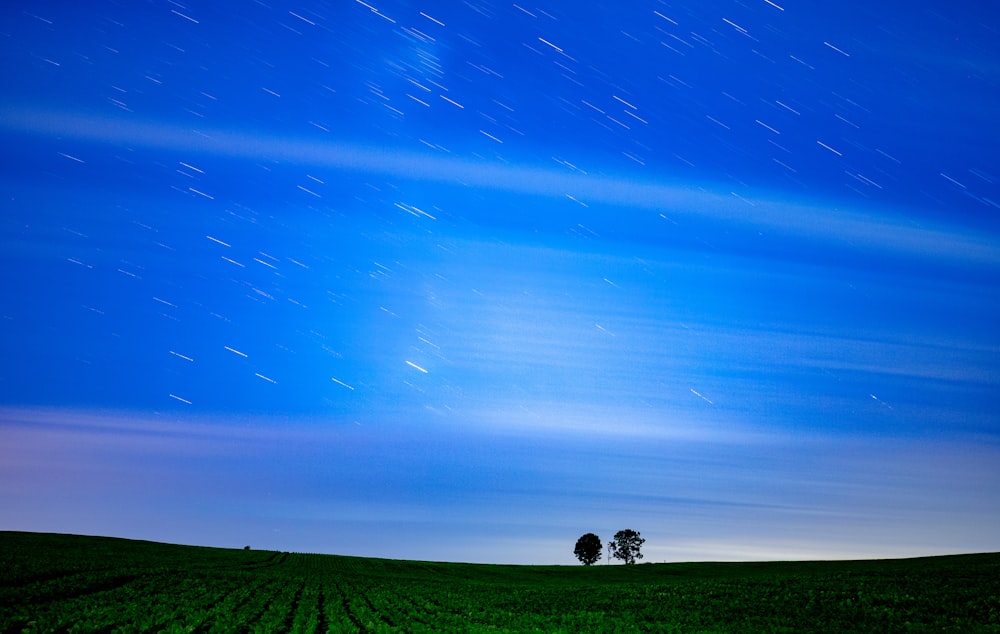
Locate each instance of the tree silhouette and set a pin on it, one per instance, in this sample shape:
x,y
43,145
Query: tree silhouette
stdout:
x,y
588,549
626,546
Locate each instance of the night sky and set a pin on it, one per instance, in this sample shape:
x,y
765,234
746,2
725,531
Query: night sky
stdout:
x,y
465,280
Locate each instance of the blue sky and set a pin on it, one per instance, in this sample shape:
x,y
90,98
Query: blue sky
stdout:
x,y
465,281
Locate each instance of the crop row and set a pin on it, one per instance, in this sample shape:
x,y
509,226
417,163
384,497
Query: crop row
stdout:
x,y
248,601
242,604
148,603
158,588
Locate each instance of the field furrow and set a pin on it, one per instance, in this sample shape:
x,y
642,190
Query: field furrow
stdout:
x,y
375,617
425,614
341,614
278,608
104,585
306,618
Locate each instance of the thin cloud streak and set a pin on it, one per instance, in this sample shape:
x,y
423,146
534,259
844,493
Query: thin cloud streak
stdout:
x,y
653,340
863,230
225,483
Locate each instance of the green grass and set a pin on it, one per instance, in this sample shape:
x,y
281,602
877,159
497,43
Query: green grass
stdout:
x,y
68,583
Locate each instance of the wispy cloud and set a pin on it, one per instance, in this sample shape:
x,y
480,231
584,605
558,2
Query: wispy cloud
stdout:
x,y
821,222
374,490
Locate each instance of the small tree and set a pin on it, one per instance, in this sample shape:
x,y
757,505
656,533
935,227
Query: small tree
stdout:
x,y
626,546
588,549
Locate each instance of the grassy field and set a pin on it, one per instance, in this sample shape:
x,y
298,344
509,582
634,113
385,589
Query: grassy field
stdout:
x,y
66,583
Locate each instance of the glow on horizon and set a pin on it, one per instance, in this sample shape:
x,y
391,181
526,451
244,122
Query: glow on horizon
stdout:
x,y
141,474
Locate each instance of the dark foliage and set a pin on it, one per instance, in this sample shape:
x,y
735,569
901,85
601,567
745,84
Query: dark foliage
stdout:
x,y
627,546
588,549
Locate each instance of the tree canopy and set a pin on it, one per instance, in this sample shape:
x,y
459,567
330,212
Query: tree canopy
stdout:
x,y
588,549
627,545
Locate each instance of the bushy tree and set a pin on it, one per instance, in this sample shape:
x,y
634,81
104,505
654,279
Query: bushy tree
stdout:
x,y
626,546
588,549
